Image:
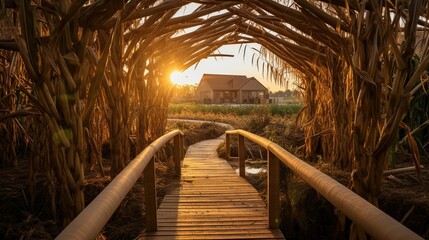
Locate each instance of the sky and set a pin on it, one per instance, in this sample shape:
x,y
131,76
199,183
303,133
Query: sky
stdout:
x,y
226,65
229,65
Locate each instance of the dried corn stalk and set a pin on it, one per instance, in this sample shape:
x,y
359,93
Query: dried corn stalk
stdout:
x,y
356,60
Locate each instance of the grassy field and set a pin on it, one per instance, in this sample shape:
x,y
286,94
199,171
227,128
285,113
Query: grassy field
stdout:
x,y
254,118
274,122
238,110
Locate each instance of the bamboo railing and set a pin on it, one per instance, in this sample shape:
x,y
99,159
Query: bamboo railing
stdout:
x,y
89,223
374,221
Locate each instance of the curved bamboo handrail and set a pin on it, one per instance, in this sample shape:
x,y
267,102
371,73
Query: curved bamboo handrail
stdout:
x,y
370,218
89,223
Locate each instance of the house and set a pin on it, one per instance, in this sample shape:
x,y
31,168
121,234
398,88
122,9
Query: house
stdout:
x,y
218,89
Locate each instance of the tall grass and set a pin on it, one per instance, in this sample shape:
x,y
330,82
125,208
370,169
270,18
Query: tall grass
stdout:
x,y
242,110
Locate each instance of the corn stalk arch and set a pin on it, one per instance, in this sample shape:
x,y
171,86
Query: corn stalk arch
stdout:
x,y
356,59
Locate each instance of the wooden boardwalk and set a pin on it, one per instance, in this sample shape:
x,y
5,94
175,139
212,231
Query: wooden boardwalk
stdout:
x,y
213,202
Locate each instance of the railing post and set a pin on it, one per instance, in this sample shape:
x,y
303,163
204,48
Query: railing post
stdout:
x,y
150,197
227,146
241,156
273,185
177,156
182,147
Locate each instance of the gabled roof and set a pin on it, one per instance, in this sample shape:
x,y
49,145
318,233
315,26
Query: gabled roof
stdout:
x,y
226,82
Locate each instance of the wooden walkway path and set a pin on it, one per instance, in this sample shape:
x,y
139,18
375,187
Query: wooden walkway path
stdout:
x,y
213,202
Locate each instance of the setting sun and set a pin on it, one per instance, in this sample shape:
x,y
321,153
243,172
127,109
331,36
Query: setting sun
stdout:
x,y
178,78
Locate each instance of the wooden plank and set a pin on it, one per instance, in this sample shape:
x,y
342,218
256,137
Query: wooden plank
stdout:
x,y
218,178
212,202
213,192
206,180
210,206
200,183
214,219
211,227
203,214
225,188
202,210
193,194
209,199
206,167
198,214
223,223
210,194
265,234
215,204
212,214
198,217
209,174
208,237
207,232
204,197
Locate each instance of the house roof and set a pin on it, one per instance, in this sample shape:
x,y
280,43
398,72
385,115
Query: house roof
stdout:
x,y
226,82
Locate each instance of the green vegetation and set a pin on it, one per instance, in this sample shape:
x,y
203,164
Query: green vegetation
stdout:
x,y
241,110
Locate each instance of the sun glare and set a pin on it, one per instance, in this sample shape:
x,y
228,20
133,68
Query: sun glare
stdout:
x,y
178,78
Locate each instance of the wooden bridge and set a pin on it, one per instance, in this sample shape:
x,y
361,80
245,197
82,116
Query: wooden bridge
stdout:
x,y
213,202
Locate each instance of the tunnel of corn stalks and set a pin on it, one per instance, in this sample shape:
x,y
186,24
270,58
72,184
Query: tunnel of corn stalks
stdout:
x,y
75,73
